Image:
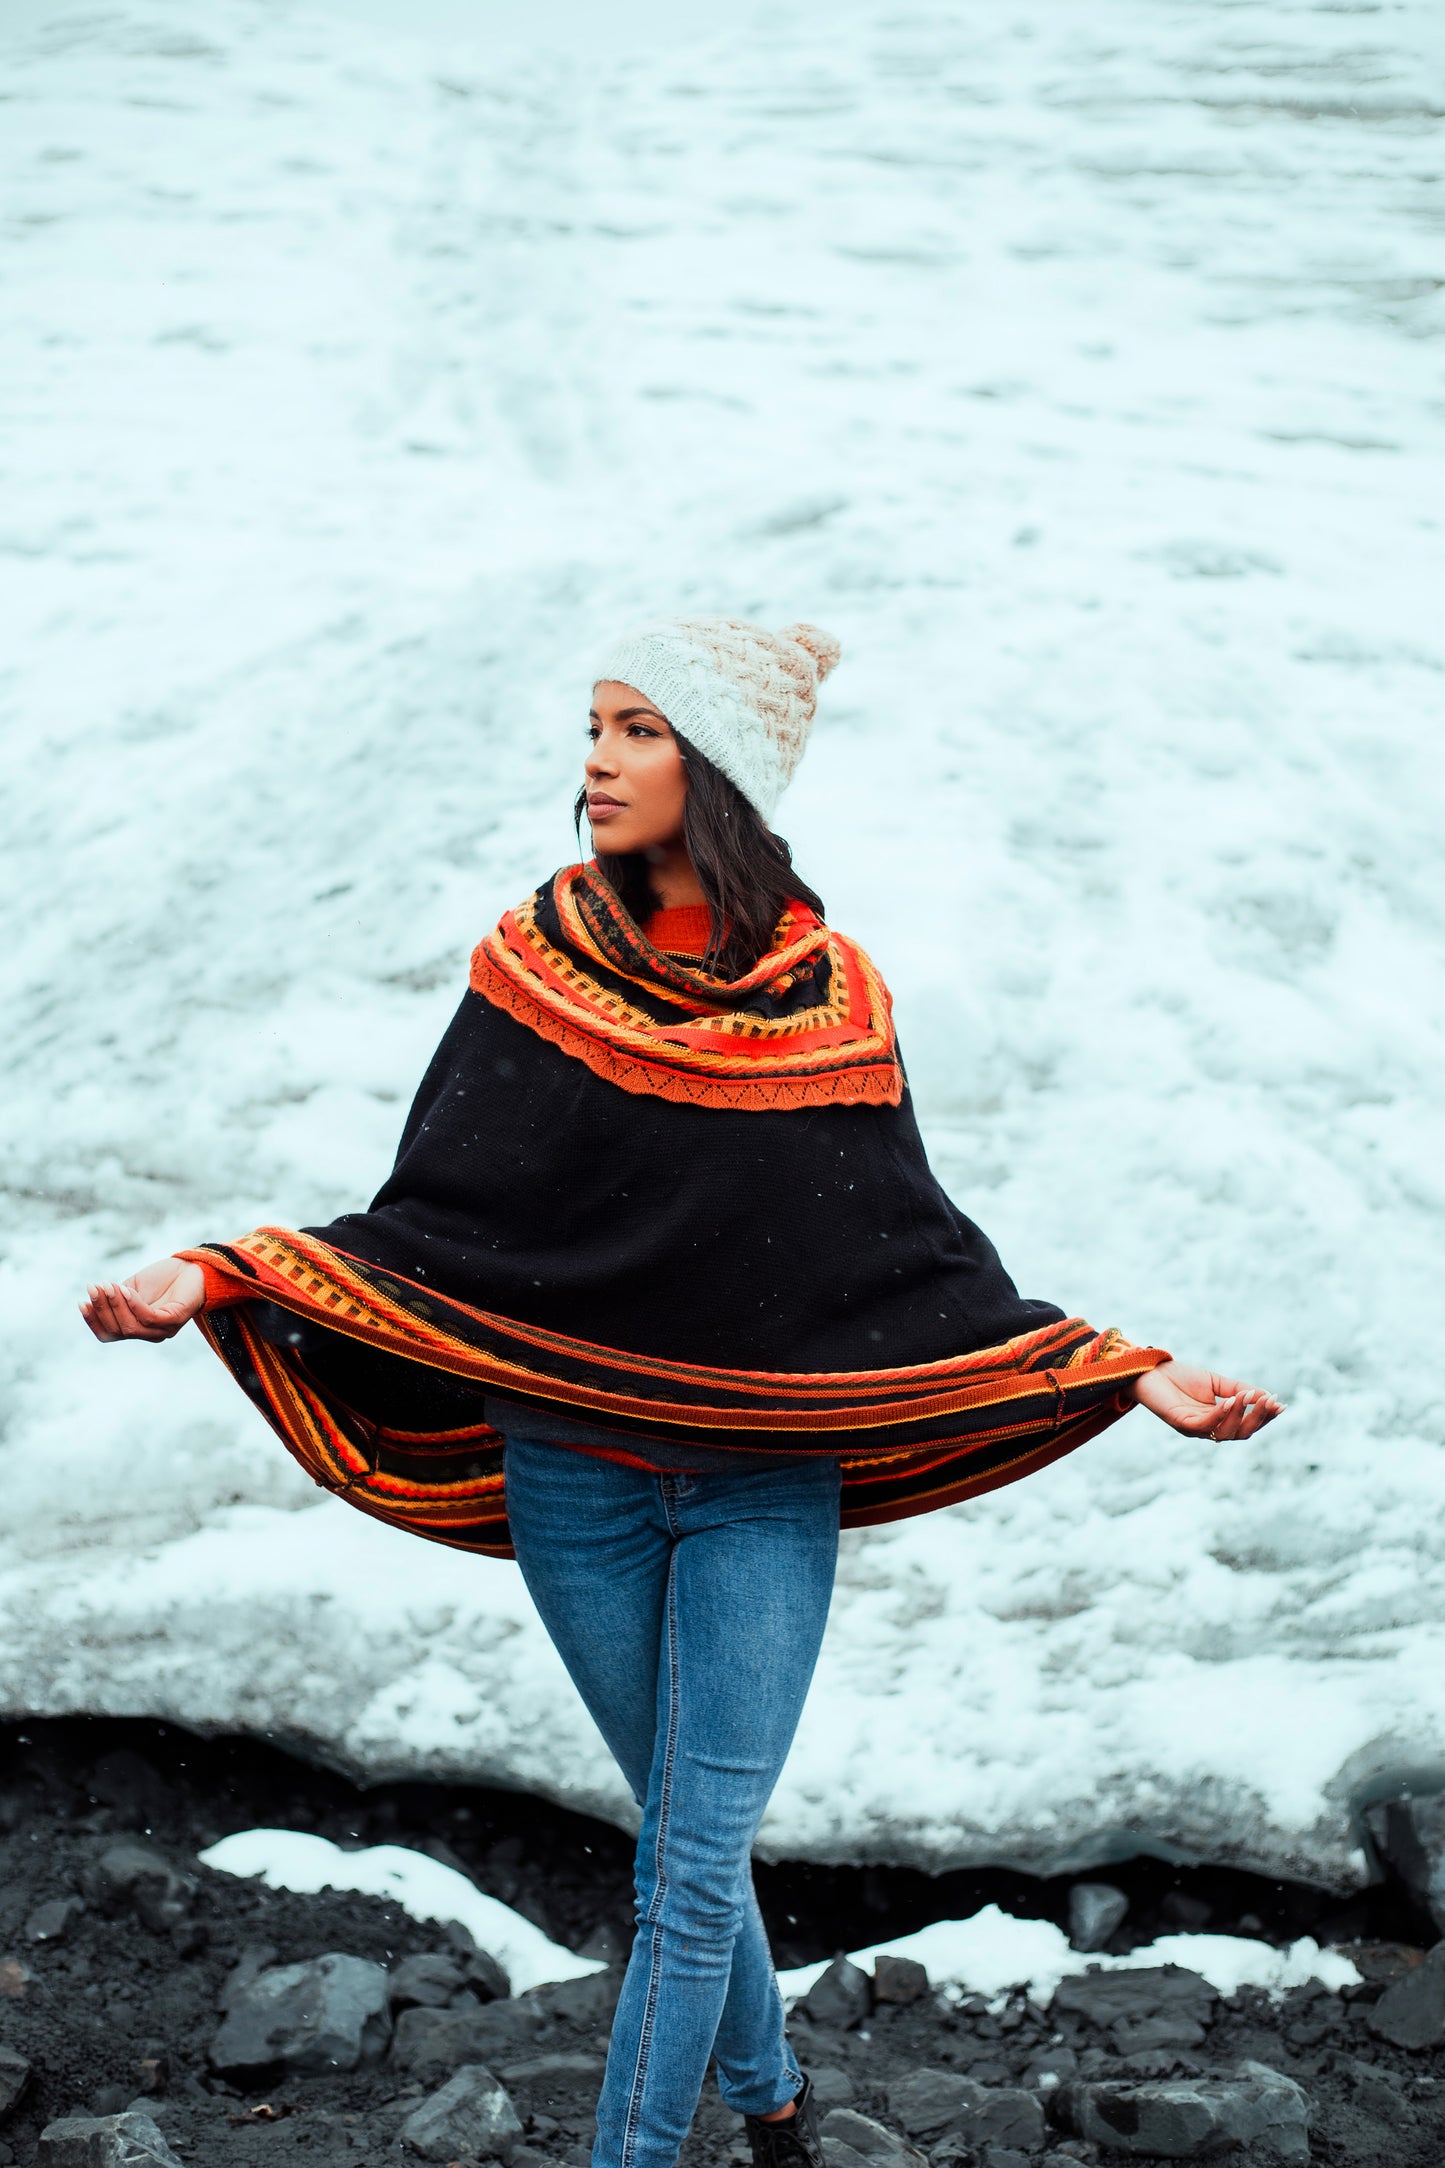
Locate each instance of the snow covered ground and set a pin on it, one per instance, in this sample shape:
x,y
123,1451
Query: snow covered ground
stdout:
x,y
1079,365
988,1953
426,1888
992,1952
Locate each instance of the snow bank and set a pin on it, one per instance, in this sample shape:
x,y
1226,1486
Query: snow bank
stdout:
x,y
986,1955
1079,368
993,1952
428,1890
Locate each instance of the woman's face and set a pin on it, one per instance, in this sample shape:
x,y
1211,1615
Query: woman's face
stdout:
x,y
636,780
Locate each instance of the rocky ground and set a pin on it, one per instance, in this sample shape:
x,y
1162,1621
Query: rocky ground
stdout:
x,y
182,2015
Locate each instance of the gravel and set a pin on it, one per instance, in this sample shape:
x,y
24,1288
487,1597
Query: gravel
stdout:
x,y
122,1959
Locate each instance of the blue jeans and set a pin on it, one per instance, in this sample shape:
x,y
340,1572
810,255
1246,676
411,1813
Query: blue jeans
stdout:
x,y
689,1610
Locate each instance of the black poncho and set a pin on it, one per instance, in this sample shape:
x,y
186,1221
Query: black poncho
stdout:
x,y
634,1195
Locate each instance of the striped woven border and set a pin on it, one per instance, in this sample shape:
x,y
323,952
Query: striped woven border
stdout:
x,y
910,1439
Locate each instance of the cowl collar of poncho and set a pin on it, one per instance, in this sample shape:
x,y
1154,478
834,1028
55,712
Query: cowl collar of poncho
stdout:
x,y
810,1025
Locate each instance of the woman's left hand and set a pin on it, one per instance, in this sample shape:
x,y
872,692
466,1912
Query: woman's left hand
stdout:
x,y
1203,1404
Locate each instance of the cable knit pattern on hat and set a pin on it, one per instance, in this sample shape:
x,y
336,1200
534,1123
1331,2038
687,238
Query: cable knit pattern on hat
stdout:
x,y
745,697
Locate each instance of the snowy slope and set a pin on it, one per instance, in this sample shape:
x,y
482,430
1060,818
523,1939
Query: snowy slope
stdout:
x,y
1079,366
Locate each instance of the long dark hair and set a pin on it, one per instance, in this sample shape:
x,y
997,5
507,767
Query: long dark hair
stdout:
x,y
745,871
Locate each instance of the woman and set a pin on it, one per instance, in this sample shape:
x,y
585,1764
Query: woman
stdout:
x,y
659,1290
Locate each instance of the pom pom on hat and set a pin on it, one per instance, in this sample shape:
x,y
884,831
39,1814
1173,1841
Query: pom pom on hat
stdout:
x,y
823,648
745,697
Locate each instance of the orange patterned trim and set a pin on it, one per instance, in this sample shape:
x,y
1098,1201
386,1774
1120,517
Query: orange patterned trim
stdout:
x,y
304,1274
919,1496
841,1051
1004,1411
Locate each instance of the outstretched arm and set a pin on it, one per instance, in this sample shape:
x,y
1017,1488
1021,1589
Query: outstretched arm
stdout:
x,y
1203,1404
153,1304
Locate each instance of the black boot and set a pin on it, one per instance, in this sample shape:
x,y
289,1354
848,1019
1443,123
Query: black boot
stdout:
x,y
793,2143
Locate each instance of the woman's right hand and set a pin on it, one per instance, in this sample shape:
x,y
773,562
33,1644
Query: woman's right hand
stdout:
x,y
152,1304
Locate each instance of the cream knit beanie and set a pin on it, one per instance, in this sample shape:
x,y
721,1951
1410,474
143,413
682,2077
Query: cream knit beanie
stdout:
x,y
743,696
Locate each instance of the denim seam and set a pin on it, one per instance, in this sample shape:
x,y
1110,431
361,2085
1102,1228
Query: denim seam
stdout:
x,y
654,1910
792,2071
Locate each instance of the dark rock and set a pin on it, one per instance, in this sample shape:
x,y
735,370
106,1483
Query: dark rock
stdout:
x,y
328,2014
1004,2156
252,1962
1411,2012
428,1981
832,2088
535,2070
480,1970
835,2153
1168,2030
926,2101
941,2104
1006,2117
49,1922
14,2077
1096,1911
1255,2111
431,2040
820,2044
1050,2065
841,1996
162,1907
1131,1998
471,2116
588,2002
1378,1963
1377,2092
849,2137
990,2070
899,1979
1316,2030
488,1976
135,1874
1409,1835
1152,2063
131,2140
152,2073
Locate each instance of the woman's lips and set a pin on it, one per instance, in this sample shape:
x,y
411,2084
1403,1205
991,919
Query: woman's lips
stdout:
x,y
602,809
